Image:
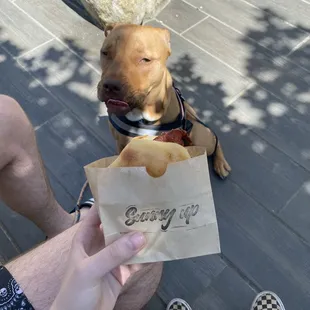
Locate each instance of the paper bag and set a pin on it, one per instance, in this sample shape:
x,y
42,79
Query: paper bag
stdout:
x,y
175,211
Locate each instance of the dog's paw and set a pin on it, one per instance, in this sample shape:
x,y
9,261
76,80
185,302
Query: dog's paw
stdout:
x,y
221,167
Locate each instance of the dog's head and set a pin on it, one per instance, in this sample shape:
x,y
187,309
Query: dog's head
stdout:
x,y
134,78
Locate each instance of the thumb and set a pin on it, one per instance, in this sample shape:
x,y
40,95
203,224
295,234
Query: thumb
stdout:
x,y
116,254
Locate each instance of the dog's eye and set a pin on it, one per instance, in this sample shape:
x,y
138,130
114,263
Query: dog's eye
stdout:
x,y
145,60
104,53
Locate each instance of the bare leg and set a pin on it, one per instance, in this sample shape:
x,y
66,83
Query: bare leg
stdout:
x,y
40,273
23,183
140,288
221,166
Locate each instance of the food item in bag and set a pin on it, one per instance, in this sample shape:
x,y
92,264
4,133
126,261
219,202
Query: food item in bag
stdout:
x,y
179,136
154,155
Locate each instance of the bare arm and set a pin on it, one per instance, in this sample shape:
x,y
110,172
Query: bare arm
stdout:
x,y
40,271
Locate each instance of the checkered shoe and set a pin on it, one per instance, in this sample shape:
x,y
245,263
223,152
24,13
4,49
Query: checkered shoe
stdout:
x,y
178,304
267,301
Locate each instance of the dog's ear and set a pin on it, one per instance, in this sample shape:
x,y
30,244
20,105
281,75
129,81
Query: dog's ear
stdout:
x,y
166,37
108,28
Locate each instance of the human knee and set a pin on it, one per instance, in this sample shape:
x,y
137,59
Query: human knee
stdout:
x,y
10,109
140,288
14,124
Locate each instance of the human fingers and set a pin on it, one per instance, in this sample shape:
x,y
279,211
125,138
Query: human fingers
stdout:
x,y
92,217
124,272
89,229
116,254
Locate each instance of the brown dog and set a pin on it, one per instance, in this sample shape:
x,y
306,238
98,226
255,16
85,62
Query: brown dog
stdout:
x,y
139,92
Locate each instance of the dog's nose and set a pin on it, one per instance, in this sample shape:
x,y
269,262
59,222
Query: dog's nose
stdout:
x,y
112,86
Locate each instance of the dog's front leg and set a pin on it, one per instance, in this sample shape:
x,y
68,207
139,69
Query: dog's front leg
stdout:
x,y
220,164
203,136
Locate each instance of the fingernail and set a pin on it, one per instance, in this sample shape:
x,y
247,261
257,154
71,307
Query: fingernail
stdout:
x,y
137,241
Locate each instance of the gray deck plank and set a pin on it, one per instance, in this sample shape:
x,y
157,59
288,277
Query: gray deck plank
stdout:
x,y
188,278
232,47
180,16
81,36
205,286
266,28
302,55
290,83
8,247
64,198
38,103
78,7
296,212
253,160
73,83
283,78
15,38
66,146
156,303
285,127
24,233
262,248
295,12
228,291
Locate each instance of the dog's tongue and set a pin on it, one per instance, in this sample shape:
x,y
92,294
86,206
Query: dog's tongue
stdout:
x,y
117,107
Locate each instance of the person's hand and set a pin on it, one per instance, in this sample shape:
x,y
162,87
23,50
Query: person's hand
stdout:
x,y
94,277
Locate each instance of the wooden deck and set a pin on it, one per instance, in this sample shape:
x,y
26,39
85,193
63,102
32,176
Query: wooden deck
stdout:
x,y
245,67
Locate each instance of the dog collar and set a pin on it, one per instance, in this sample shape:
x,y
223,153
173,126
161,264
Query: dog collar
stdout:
x,y
143,127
